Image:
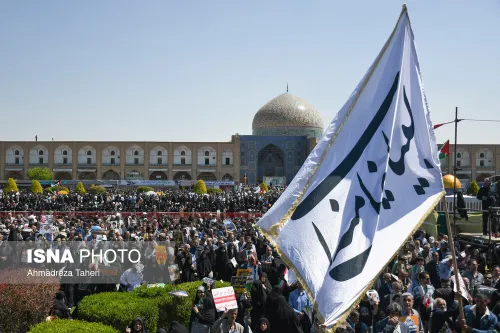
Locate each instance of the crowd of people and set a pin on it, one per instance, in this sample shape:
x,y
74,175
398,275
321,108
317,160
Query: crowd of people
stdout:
x,y
415,293
115,200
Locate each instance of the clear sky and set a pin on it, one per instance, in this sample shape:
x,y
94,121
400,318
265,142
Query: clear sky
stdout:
x,y
199,70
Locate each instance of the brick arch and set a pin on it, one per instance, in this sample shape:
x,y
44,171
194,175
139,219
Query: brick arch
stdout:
x,y
110,175
63,175
158,175
16,175
207,176
178,175
87,176
227,177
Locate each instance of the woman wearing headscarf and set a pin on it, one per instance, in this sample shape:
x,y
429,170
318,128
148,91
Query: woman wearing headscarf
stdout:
x,y
59,308
221,258
258,298
266,284
176,327
282,317
203,311
306,319
229,271
204,262
244,304
136,326
264,326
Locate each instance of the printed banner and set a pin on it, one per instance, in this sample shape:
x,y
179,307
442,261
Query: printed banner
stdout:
x,y
241,283
224,299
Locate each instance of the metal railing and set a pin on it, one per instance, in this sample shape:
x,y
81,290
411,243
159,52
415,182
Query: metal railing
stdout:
x,y
471,205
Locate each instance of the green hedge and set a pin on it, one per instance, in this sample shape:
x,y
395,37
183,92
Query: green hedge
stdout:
x,y
174,308
72,326
154,305
164,301
118,309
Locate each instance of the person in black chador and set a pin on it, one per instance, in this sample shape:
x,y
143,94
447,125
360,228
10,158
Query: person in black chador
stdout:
x,y
282,318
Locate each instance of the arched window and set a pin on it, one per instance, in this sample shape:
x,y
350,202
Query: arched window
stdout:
x,y
40,152
207,153
481,155
136,153
459,155
183,153
113,153
16,152
89,153
159,152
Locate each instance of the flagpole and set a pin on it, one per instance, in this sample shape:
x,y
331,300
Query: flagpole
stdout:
x,y
455,176
454,256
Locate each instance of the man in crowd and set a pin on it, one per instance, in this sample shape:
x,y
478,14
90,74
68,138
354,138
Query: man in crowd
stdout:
x,y
487,199
298,299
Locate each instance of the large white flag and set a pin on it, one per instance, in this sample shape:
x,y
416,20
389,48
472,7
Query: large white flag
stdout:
x,y
367,185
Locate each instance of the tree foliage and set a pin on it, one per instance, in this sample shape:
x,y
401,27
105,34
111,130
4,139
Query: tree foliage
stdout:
x,y
80,189
97,189
200,187
11,186
141,189
40,174
22,303
473,188
36,187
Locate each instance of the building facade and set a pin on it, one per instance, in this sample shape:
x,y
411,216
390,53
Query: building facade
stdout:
x,y
285,130
122,160
475,162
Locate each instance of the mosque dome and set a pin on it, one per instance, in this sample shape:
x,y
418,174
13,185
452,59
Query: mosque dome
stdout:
x,y
288,114
449,182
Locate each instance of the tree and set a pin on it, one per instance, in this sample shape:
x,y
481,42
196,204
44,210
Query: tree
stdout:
x,y
473,188
142,189
200,187
40,174
80,189
36,187
263,187
97,189
11,186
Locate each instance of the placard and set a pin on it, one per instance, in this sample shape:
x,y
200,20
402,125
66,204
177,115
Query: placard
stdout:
x,y
244,272
174,272
463,289
208,281
224,299
161,254
241,283
410,322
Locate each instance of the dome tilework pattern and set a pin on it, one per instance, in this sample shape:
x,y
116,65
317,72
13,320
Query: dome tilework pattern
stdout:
x,y
287,110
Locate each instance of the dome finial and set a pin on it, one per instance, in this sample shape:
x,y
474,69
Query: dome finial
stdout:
x,y
287,87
